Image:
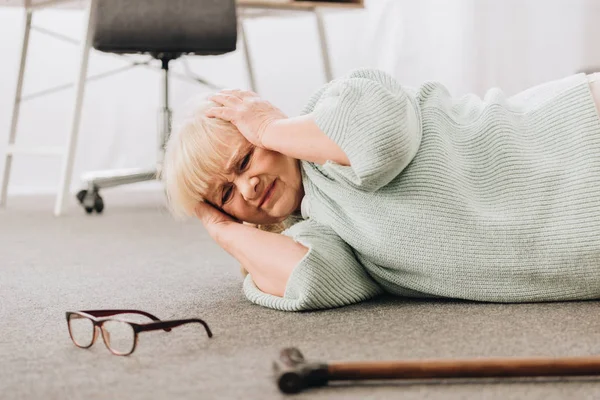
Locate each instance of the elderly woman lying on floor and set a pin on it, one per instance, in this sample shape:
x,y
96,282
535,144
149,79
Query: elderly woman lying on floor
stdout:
x,y
378,188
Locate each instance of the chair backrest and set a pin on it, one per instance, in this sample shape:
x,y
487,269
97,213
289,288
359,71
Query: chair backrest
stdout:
x,y
205,27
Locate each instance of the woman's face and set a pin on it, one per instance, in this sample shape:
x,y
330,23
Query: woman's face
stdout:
x,y
261,186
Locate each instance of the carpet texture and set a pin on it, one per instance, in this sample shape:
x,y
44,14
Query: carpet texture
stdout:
x,y
136,256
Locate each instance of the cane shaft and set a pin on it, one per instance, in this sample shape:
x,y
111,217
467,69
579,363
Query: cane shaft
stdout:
x,y
491,367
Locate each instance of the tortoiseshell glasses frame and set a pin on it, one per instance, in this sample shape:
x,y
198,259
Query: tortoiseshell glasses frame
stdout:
x,y
98,319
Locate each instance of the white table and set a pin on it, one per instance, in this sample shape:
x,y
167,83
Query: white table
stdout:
x,y
246,9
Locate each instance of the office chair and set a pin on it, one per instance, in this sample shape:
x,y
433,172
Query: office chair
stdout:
x,y
165,29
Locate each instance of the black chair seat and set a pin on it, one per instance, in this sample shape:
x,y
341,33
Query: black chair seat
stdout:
x,y
203,27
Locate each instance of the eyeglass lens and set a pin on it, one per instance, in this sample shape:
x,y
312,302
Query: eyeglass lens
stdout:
x,y
119,336
82,330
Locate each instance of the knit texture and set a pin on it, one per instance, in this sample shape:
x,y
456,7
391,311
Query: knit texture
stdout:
x,y
490,199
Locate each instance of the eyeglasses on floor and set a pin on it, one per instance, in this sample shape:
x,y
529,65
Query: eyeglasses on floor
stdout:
x,y
119,335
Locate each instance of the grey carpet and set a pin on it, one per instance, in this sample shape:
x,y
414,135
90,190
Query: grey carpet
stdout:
x,y
137,256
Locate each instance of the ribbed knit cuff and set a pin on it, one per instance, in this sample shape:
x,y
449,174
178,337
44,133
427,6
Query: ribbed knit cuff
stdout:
x,y
328,276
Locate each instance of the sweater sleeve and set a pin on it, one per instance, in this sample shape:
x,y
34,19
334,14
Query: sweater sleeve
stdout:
x,y
328,276
374,121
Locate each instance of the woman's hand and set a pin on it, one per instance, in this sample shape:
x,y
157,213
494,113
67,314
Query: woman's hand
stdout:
x,y
212,218
248,112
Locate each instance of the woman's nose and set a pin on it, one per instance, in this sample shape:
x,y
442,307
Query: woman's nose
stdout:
x,y
249,188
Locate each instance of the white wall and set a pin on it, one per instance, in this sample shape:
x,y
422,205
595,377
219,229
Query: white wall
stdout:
x,y
470,45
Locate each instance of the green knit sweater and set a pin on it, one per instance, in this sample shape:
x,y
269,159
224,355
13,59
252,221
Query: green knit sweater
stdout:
x,y
494,199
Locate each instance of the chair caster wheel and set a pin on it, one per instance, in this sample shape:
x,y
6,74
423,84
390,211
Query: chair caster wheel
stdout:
x,y
90,201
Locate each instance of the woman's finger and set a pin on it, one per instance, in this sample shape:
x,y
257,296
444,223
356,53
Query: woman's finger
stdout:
x,y
200,209
225,99
203,206
211,215
239,93
250,93
204,210
223,113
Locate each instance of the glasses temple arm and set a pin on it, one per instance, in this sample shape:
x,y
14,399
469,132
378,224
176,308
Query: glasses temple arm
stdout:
x,y
174,323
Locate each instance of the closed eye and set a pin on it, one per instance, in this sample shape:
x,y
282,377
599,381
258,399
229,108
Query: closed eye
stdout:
x,y
245,161
227,192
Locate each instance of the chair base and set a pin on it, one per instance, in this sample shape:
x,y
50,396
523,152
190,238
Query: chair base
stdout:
x,y
104,179
90,198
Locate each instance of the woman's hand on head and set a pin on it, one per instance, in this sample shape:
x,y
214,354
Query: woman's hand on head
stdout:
x,y
212,218
247,111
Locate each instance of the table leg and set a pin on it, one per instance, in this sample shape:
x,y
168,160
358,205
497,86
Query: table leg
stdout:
x,y
69,157
16,107
324,46
247,55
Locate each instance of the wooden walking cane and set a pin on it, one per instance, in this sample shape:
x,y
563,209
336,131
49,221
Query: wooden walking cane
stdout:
x,y
293,373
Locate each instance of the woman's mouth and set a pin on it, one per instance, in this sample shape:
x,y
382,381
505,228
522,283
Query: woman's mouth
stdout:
x,y
269,194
